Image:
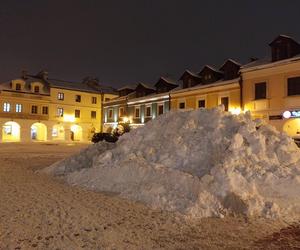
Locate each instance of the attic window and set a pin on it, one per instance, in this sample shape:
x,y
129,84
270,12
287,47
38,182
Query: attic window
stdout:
x,y
36,89
18,86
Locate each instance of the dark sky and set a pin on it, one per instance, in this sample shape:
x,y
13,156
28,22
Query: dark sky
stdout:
x,y
127,41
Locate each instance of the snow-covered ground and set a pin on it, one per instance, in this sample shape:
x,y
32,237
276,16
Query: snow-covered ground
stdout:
x,y
202,163
38,212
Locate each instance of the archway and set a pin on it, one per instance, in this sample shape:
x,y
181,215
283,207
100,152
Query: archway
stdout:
x,y
58,132
39,132
76,133
11,132
292,127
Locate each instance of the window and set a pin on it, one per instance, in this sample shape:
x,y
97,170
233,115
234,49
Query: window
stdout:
x,y
148,111
182,105
160,109
121,112
36,89
94,100
78,98
260,90
136,112
93,114
77,113
293,86
60,112
201,103
34,109
18,86
45,110
110,113
60,96
225,102
18,108
6,107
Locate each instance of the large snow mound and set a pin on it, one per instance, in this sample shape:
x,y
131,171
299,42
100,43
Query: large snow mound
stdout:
x,y
200,163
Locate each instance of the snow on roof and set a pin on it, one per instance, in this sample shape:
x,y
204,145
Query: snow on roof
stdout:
x,y
190,73
146,86
168,80
231,60
131,86
212,68
284,36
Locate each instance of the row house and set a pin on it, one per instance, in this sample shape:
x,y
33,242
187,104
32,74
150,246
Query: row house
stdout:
x,y
39,108
138,104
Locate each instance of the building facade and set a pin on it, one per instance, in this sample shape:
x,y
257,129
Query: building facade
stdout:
x,y
36,108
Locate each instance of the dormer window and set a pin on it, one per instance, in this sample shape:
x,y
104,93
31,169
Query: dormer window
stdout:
x,y
18,86
36,89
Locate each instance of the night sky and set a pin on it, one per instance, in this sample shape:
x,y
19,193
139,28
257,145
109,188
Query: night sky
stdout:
x,y
128,41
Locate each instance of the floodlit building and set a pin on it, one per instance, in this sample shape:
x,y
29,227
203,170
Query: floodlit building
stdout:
x,y
271,86
209,88
38,108
138,104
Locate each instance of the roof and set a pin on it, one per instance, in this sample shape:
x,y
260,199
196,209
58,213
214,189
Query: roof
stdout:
x,y
146,86
283,36
230,60
211,68
189,73
168,80
131,86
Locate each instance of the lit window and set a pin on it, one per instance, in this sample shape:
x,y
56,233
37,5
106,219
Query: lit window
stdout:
x,y
78,98
60,96
45,110
18,108
94,100
182,105
93,114
77,113
6,107
121,112
137,112
36,89
148,111
34,109
60,112
18,86
110,113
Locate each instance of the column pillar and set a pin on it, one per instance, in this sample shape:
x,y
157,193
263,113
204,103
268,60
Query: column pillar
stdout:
x,y
25,133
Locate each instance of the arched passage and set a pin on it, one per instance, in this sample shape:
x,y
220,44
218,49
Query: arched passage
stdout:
x,y
11,132
58,132
76,133
39,132
292,127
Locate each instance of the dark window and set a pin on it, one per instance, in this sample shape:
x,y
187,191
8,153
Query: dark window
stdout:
x,y
110,113
45,110
121,112
294,86
260,90
36,89
225,102
60,96
94,100
201,103
78,98
182,105
18,86
160,109
77,113
148,111
137,112
93,114
34,109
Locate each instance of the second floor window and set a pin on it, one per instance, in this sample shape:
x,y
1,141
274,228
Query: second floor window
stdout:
x,y
18,108
77,113
60,96
18,86
60,112
6,107
34,109
136,112
45,110
121,112
148,111
94,100
201,103
110,113
78,98
93,114
260,90
293,87
160,109
36,89
182,105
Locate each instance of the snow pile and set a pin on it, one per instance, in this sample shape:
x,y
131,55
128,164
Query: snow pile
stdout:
x,y
201,163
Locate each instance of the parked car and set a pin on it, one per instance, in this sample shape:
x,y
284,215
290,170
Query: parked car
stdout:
x,y
97,137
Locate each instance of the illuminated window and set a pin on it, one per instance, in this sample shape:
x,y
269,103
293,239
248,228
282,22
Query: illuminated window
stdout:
x,y
18,108
94,100
45,110
18,86
110,113
78,98
148,111
160,109
121,112
34,109
36,89
60,96
60,112
136,112
6,107
201,103
93,114
77,113
182,105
